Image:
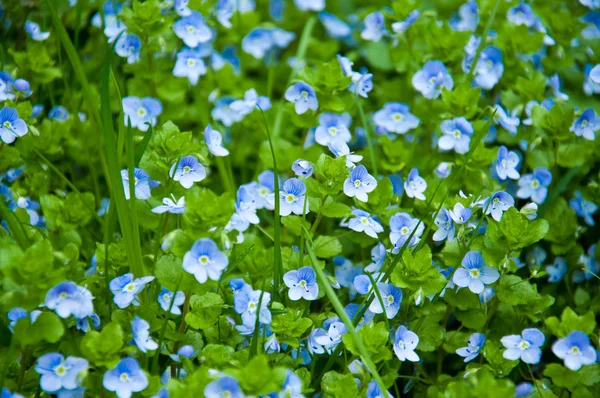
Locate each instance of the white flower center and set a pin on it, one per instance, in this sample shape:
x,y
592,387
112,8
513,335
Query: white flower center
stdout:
x,y
263,191
397,117
364,220
333,131
63,295
357,183
124,377
60,369
302,283
203,259
474,273
166,297
7,125
401,344
142,111
524,344
290,198
304,93
574,351
191,62
535,184
503,162
251,306
404,230
187,169
584,123
130,287
456,133
190,29
390,299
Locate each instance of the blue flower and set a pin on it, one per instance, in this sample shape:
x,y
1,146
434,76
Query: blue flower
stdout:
x,y
586,125
126,288
508,122
58,113
125,378
21,88
460,214
557,271
186,351
192,29
224,387
430,80
129,46
36,110
333,128
5,393
594,74
291,198
11,126
205,261
303,96
165,297
575,350
475,274
467,18
415,185
141,335
498,204
522,14
489,68
292,386
487,294
14,315
584,208
591,82
181,8
246,304
67,299
6,81
142,184
58,372
214,141
391,297
374,27
189,64
470,352
359,184
590,266
169,205
339,148
260,41
334,26
245,206
395,117
506,164
402,26
302,168
139,112
405,343
262,188
272,344
223,112
548,103
187,171
374,391
310,5
592,4
443,169
363,222
34,31
525,346
535,185
523,389
328,337
457,134
445,224
83,324
378,254
302,283
554,83
401,226
250,102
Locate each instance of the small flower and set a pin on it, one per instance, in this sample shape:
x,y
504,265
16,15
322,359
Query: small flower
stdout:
x,y
430,80
34,31
333,128
395,117
6,82
586,125
359,184
83,324
508,122
192,29
165,297
328,338
262,188
126,289
246,304
169,205
11,126
186,351
250,102
591,82
58,113
142,184
302,284
224,387
489,68
363,222
378,254
14,315
557,271
554,83
258,42
467,18
460,214
339,148
205,261
405,343
5,393
292,387
214,141
128,46
21,88
302,168
506,165
415,185
401,227
141,112
475,274
402,26
59,372
291,198
443,170
535,185
498,204
189,64
584,208
594,74
456,135
223,112
334,26
445,224
575,350
141,335
470,352
67,299
310,5
522,14
187,171
245,206
487,294
525,346
391,296
125,378
303,96
374,27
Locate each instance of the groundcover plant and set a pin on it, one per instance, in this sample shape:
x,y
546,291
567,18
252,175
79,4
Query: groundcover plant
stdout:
x,y
307,198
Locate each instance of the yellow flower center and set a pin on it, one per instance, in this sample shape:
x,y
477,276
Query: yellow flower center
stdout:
x,y
404,230
203,259
187,169
290,198
456,134
364,220
397,117
333,131
191,62
142,112
474,273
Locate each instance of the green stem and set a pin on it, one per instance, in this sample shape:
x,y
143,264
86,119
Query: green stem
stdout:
x,y
368,136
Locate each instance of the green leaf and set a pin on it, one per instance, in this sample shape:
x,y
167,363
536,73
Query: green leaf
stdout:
x,y
493,352
569,379
513,290
290,326
205,310
337,385
376,338
570,321
331,174
258,378
418,272
327,246
170,273
515,231
333,209
216,355
103,348
47,327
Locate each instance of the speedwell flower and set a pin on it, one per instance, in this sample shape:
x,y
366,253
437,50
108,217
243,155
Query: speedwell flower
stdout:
x,y
303,96
475,274
205,261
187,171
359,184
